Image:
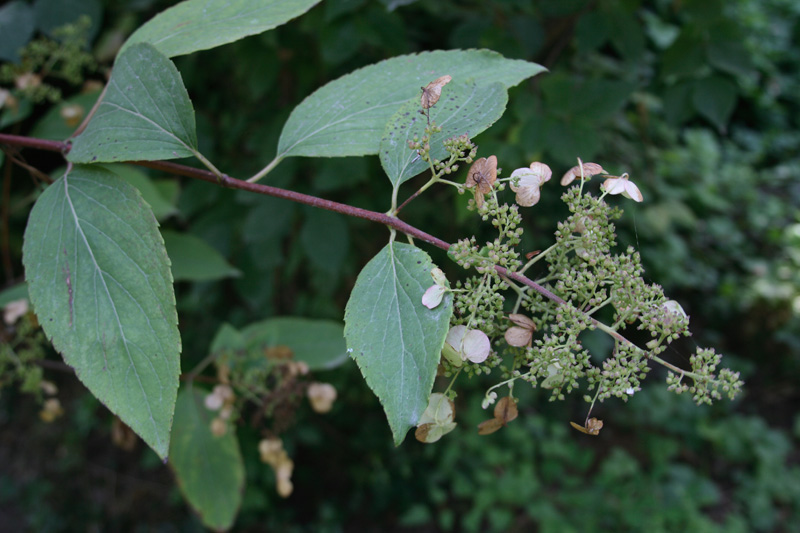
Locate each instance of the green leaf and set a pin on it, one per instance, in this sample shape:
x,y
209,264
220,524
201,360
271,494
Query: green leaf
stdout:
x,y
194,260
209,469
730,56
145,115
16,29
10,115
14,293
715,99
63,118
202,24
348,115
397,341
162,208
464,107
318,343
100,283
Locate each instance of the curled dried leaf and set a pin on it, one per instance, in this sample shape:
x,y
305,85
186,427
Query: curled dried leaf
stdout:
x,y
592,427
521,334
482,175
522,321
519,337
506,409
487,427
431,432
433,91
589,169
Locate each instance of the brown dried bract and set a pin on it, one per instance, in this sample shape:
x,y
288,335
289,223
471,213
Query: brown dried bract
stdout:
x,y
504,412
589,169
592,427
432,92
482,175
521,334
278,352
506,409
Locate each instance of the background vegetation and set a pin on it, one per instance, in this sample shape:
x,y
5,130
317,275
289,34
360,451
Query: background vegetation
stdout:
x,y
699,100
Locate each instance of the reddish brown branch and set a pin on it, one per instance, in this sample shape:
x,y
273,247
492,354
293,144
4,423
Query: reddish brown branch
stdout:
x,y
233,183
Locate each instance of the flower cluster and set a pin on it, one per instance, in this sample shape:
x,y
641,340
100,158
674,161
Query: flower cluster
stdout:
x,y
537,340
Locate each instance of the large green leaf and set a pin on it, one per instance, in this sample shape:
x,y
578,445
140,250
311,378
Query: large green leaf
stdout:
x,y
209,469
464,107
100,283
318,343
145,114
396,340
348,115
202,24
194,260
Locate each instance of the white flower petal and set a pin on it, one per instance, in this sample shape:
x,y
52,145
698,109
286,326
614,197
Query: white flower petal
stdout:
x,y
439,277
454,337
632,191
476,346
543,171
433,296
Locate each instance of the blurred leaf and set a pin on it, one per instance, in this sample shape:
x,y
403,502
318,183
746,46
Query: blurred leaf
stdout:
x,y
194,260
14,293
195,25
592,31
227,338
685,57
627,35
145,114
584,100
678,102
340,173
397,341
270,219
100,284
209,469
11,115
463,108
318,343
52,14
660,32
325,239
730,56
348,115
16,29
391,5
715,99
161,207
63,118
